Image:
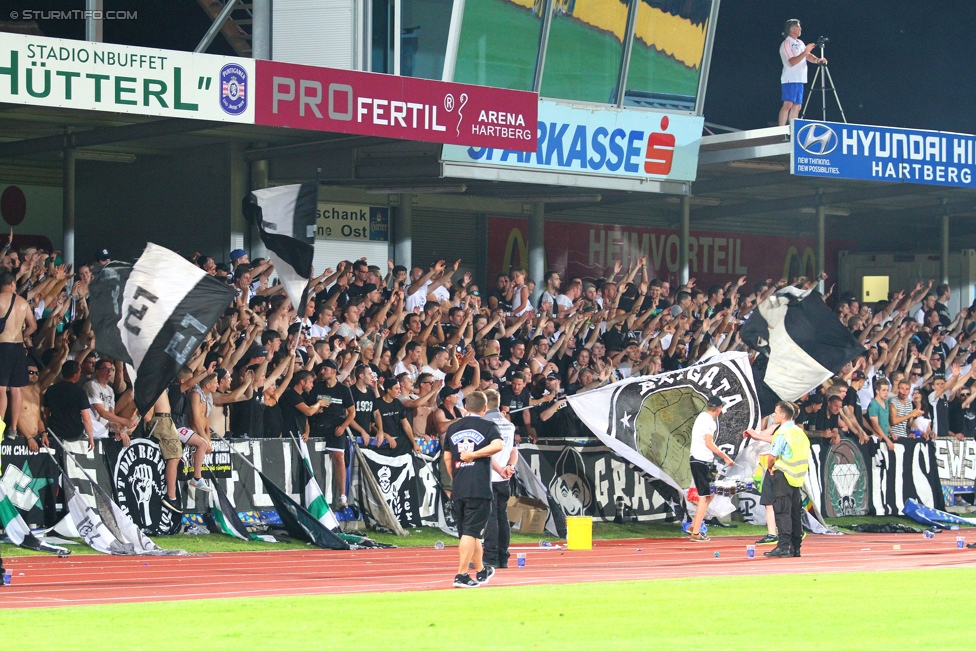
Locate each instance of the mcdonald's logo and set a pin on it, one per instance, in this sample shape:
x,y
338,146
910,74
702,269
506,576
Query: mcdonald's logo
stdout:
x,y
516,252
800,265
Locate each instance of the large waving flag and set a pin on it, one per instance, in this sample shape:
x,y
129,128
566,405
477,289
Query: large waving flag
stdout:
x,y
802,344
285,217
647,420
154,315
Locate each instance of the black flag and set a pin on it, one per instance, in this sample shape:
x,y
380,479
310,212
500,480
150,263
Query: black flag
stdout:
x,y
802,344
298,522
154,315
285,217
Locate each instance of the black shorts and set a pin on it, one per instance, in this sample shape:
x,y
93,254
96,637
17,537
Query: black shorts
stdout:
x,y
13,365
471,516
701,472
766,496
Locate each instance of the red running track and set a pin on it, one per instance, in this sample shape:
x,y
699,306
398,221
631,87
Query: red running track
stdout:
x,y
85,580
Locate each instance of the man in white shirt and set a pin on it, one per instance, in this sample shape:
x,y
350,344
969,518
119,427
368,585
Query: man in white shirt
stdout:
x,y
794,55
703,451
498,531
101,397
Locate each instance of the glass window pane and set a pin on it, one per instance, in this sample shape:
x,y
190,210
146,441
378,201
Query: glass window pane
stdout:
x,y
498,43
585,44
669,46
424,25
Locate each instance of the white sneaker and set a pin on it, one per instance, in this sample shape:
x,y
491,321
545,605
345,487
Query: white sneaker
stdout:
x,y
200,485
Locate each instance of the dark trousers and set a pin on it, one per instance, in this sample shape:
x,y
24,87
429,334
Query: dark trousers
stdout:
x,y
498,533
788,507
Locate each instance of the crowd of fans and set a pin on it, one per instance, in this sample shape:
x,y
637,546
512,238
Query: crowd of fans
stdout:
x,y
388,353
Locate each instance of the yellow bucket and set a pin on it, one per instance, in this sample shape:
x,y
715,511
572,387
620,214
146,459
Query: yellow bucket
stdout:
x,y
579,532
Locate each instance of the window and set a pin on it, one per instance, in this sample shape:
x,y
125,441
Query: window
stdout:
x,y
498,43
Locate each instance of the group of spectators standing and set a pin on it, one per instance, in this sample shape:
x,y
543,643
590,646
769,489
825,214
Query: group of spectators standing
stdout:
x,y
388,354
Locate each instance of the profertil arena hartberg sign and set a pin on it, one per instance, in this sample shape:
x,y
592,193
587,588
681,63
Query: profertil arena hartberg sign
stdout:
x,y
62,73
868,153
387,106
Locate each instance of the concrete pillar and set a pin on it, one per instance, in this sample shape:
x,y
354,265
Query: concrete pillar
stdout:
x,y
537,249
239,187
93,24
403,232
821,247
68,205
261,29
944,250
683,269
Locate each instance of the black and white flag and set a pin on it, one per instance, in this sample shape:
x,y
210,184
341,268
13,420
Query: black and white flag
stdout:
x,y
647,419
153,315
802,344
285,217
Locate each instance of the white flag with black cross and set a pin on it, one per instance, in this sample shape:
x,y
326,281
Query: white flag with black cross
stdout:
x,y
153,315
285,218
801,344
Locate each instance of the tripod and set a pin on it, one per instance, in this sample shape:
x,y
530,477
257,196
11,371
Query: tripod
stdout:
x,y
823,73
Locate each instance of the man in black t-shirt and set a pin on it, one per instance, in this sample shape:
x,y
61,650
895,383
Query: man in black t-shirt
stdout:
x,y
468,445
294,410
332,421
67,409
364,399
392,424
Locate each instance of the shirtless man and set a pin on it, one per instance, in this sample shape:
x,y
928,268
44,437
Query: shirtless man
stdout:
x,y
30,423
16,324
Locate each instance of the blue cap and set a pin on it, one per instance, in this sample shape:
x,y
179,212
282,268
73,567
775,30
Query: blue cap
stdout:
x,y
237,254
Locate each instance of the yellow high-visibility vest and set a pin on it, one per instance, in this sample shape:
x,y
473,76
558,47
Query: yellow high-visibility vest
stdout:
x,y
794,468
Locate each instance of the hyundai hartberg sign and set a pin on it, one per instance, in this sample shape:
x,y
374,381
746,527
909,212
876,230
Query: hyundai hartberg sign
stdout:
x,y
600,142
869,153
387,106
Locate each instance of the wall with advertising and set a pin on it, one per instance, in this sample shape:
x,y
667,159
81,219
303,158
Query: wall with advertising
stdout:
x,y
349,232
601,143
587,250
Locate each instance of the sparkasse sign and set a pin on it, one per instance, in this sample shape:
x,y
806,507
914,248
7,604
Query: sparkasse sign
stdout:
x,y
601,142
387,106
40,71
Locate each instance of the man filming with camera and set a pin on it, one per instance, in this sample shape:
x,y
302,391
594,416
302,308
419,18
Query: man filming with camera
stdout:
x,y
795,56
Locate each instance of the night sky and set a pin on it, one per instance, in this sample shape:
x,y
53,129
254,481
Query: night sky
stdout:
x,y
896,63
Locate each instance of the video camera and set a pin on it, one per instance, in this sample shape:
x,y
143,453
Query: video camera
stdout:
x,y
823,40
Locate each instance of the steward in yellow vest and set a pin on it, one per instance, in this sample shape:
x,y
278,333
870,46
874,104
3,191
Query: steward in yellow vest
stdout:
x,y
789,459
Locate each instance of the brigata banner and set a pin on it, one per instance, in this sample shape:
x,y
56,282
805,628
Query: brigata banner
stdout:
x,y
868,153
370,104
39,71
604,142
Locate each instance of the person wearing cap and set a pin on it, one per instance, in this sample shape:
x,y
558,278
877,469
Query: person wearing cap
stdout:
x,y
390,417
703,452
239,257
337,411
102,258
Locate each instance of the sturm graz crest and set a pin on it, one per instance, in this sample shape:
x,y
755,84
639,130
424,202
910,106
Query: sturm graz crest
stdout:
x,y
139,484
655,416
